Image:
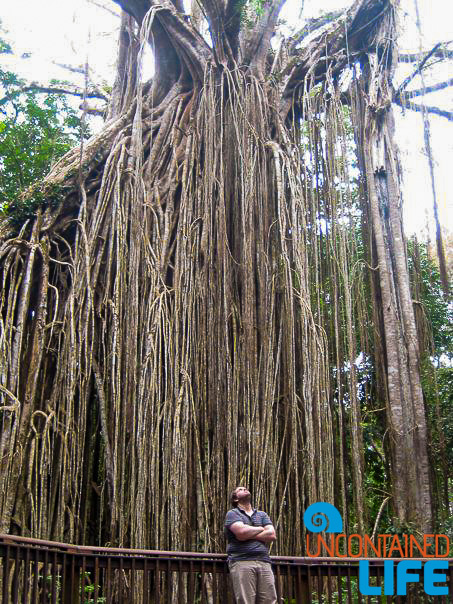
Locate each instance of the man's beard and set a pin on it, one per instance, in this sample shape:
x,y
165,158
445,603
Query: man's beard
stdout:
x,y
245,499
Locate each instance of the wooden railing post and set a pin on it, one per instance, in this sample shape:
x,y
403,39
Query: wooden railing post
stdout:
x,y
71,581
304,593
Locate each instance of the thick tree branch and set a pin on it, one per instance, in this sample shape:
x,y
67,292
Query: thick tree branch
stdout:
x,y
312,26
420,108
233,23
182,37
349,35
179,5
104,7
86,108
417,70
135,8
214,13
71,68
410,94
67,89
441,53
126,67
256,42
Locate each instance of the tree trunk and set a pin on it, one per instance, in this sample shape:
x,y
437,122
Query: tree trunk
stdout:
x,y
405,405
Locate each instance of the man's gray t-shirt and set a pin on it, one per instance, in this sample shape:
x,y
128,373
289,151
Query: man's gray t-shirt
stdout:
x,y
252,549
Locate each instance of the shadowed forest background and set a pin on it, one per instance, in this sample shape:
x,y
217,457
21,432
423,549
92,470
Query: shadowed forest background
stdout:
x,y
216,288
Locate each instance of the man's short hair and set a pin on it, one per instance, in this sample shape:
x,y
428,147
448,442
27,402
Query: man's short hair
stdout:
x,y
234,499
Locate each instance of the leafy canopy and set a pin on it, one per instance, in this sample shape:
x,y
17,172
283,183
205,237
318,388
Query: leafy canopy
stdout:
x,y
35,130
436,306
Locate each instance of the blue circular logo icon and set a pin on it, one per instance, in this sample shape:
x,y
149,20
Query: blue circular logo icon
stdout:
x,y
323,516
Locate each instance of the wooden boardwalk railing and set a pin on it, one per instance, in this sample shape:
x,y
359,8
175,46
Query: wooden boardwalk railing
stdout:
x,y
35,571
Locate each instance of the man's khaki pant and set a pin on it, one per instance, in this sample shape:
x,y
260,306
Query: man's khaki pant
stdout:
x,y
253,582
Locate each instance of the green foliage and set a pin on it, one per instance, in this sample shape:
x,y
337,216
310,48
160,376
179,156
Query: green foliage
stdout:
x,y
436,370
439,313
25,206
257,7
446,528
34,133
36,129
445,390
5,48
251,10
87,592
437,385
438,390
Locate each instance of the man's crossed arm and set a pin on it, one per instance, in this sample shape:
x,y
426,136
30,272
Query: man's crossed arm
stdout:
x,y
244,532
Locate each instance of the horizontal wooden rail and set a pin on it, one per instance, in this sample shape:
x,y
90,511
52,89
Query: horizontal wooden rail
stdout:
x,y
38,571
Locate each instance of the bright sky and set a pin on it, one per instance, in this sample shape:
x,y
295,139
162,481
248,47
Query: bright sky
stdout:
x,y
71,31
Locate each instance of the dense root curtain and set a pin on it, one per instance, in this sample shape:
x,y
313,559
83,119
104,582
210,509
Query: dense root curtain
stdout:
x,y
184,331
187,315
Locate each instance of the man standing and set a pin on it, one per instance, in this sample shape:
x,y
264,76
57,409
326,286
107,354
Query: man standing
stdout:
x,y
248,533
